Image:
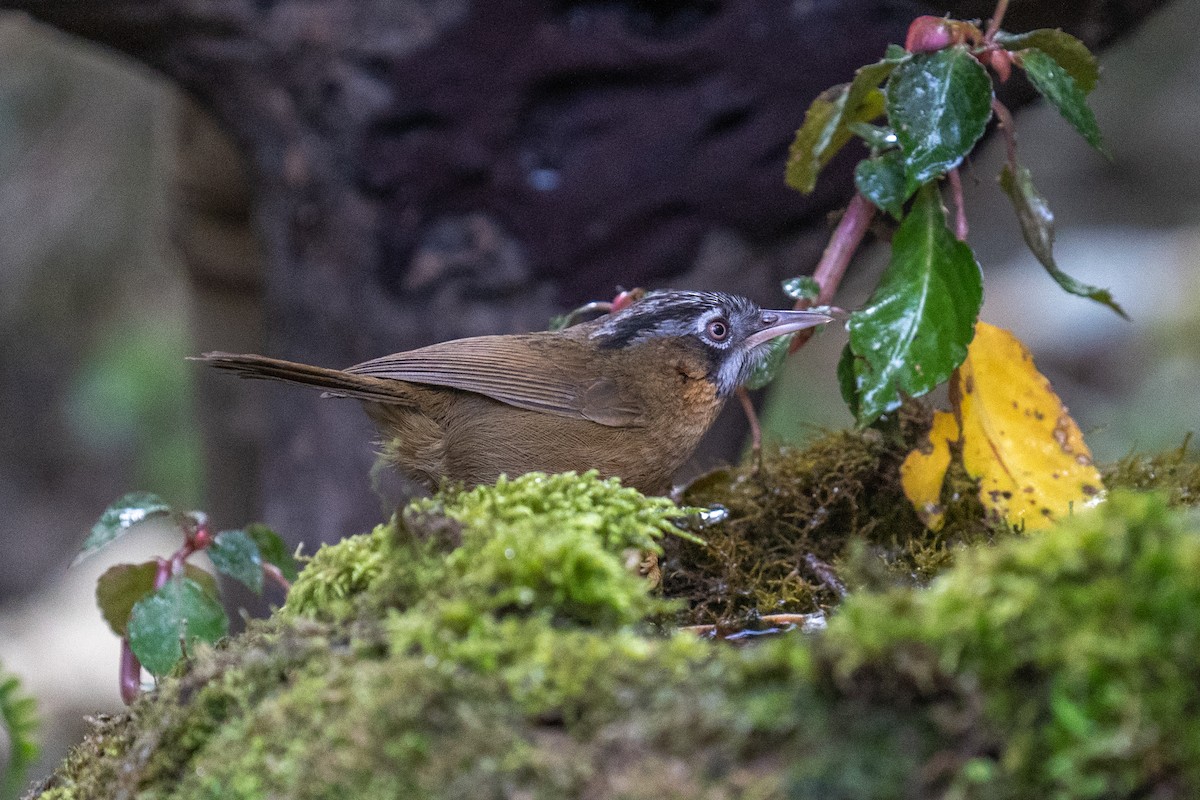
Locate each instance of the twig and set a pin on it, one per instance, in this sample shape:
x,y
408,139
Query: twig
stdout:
x,y
960,213
997,18
846,238
826,574
743,397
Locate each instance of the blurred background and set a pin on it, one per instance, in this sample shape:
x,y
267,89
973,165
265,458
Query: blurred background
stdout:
x,y
96,312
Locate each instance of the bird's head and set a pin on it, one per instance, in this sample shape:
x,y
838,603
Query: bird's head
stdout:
x,y
727,331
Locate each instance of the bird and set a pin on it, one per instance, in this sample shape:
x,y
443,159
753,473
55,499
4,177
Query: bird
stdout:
x,y
629,394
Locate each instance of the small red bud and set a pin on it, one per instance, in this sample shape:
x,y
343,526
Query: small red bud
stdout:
x,y
927,34
999,60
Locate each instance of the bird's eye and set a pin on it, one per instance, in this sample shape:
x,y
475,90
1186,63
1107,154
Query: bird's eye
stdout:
x,y
717,330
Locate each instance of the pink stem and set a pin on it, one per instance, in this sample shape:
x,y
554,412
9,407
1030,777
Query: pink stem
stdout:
x,y
271,571
131,673
960,212
743,397
997,18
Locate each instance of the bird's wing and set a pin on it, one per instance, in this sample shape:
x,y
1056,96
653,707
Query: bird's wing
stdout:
x,y
540,372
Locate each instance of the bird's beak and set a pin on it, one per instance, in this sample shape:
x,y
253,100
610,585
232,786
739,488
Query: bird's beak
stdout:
x,y
780,323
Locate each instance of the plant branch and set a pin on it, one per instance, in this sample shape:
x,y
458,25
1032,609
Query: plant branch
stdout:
x,y
997,18
1007,129
960,212
743,397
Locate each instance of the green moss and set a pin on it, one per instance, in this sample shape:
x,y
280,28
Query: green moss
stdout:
x,y
1171,472
838,500
1060,665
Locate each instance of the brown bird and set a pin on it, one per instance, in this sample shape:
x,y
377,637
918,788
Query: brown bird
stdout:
x,y
629,394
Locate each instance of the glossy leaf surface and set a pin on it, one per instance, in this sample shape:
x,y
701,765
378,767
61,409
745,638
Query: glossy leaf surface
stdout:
x,y
882,181
916,327
1037,227
1059,88
939,105
178,615
235,554
802,288
122,515
1070,53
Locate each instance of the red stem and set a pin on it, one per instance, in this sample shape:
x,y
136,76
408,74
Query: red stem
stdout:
x,y
131,673
994,23
271,571
743,397
960,212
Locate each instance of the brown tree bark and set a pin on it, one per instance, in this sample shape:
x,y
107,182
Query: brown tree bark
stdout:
x,y
427,169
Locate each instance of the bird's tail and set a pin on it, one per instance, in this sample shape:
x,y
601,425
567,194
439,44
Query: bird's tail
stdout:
x,y
334,381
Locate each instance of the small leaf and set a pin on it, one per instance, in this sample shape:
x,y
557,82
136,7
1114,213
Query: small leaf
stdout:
x,y
896,53
1057,86
1070,53
19,749
123,585
924,470
273,550
1037,227
559,322
802,288
1018,439
916,327
235,554
876,137
939,105
178,615
847,380
769,366
120,517
826,127
882,181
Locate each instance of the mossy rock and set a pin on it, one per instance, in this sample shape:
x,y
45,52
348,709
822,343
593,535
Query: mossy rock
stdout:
x,y
495,643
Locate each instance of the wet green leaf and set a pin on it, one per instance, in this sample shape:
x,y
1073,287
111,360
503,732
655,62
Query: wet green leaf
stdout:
x,y
1037,226
882,181
803,287
846,379
123,585
1070,53
1058,87
178,615
876,137
118,518
273,550
826,127
768,368
235,554
939,104
916,327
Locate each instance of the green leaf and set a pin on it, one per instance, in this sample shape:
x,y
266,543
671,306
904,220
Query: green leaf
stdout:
x,y
123,585
768,368
273,550
178,615
18,729
1070,53
826,127
939,104
882,181
118,518
235,554
916,327
895,52
1037,226
1057,86
803,287
846,379
876,137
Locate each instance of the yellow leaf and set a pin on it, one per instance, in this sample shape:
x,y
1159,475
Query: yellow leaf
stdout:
x,y
1018,439
924,470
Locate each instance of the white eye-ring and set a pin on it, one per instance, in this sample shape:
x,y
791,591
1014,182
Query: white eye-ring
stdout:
x,y
717,329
